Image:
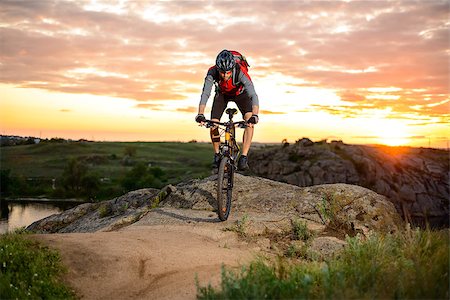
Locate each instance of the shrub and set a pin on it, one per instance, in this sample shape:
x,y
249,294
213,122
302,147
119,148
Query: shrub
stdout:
x,y
105,210
5,181
30,271
300,230
405,265
78,182
130,151
240,227
142,176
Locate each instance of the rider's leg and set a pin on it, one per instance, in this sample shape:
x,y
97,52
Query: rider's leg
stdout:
x,y
217,110
248,135
215,137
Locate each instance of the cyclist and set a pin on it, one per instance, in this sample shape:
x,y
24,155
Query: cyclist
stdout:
x,y
232,84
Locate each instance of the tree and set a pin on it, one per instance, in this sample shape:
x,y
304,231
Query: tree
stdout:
x,y
130,151
77,181
143,176
5,181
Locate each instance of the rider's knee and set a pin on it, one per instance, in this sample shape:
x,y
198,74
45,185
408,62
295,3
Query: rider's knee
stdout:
x,y
247,116
215,135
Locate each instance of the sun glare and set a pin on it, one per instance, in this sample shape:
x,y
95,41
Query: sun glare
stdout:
x,y
392,133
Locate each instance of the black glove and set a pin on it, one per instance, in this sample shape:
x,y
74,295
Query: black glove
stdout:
x,y
253,119
200,118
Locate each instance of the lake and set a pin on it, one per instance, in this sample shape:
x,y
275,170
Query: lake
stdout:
x,y
19,214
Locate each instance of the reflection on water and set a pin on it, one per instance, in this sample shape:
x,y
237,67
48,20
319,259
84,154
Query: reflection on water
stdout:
x,y
15,215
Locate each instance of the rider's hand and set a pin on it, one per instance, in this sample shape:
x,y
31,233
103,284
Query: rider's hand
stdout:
x,y
253,119
200,118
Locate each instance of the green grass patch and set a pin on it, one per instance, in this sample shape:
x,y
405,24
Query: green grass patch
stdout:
x,y
29,170
300,230
406,265
30,271
240,226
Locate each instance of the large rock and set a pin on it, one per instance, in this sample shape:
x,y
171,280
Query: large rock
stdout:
x,y
416,180
340,208
107,215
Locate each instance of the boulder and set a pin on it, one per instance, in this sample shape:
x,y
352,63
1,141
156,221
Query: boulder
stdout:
x,y
343,208
91,217
340,208
403,174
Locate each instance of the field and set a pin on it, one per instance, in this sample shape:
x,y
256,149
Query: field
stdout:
x,y
109,161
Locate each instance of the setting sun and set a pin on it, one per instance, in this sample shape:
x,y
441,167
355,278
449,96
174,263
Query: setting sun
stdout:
x,y
394,137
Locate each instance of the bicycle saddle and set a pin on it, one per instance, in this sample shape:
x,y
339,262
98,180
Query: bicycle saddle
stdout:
x,y
231,111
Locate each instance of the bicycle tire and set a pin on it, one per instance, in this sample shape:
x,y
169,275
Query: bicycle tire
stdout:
x,y
224,188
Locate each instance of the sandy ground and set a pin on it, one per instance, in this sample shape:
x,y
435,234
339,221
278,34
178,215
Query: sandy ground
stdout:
x,y
157,258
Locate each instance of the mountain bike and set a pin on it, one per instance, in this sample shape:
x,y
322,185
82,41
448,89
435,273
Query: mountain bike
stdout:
x,y
229,151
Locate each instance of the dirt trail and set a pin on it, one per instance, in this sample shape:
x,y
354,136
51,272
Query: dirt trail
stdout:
x,y
159,256
155,258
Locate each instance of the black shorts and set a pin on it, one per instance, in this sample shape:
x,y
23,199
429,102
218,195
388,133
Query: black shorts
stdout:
x,y
243,102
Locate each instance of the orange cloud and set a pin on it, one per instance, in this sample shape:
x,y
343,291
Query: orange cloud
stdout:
x,y
189,109
161,50
269,112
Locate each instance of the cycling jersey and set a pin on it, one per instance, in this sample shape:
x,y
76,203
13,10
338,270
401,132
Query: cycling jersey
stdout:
x,y
239,82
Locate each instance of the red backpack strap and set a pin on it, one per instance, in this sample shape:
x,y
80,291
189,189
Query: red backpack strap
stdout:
x,y
240,59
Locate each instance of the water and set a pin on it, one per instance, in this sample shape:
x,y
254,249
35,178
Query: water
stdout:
x,y
19,214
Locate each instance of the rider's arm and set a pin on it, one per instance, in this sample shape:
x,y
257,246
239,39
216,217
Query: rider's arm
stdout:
x,y
248,86
206,92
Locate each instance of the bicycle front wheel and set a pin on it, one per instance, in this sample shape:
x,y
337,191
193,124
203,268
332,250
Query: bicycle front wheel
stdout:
x,y
224,188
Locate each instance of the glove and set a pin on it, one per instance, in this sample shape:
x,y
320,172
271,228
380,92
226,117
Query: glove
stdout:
x,y
253,119
200,118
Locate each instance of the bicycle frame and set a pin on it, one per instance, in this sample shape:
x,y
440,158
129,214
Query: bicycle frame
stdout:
x,y
229,148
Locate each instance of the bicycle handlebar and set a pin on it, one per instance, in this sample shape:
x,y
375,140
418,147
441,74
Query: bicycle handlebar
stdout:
x,y
240,124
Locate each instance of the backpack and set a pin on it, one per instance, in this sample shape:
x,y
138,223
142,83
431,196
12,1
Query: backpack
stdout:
x,y
240,60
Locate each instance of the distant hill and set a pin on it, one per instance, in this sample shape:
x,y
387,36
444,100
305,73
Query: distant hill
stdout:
x,y
15,140
416,180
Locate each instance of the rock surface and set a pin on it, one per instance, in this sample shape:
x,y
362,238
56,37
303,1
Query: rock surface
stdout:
x,y
343,208
107,215
416,180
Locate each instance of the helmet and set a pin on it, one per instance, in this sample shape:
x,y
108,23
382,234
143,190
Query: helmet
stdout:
x,y
225,61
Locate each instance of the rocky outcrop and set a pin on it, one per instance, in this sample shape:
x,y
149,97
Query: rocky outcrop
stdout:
x,y
416,180
107,215
341,208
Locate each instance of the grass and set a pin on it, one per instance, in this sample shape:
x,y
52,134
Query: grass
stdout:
x,y
300,230
49,159
105,210
406,265
240,227
29,270
180,161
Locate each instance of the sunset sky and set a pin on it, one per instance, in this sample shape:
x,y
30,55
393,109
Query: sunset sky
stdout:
x,y
365,72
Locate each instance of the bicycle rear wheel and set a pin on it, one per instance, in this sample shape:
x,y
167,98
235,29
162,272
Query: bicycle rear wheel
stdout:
x,y
224,188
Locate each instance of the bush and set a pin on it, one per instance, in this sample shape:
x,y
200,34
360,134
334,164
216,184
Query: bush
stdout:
x,y
406,265
130,151
30,271
78,182
300,230
105,210
5,181
142,176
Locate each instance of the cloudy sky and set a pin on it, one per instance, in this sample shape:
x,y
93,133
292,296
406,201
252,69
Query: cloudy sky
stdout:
x,y
360,71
